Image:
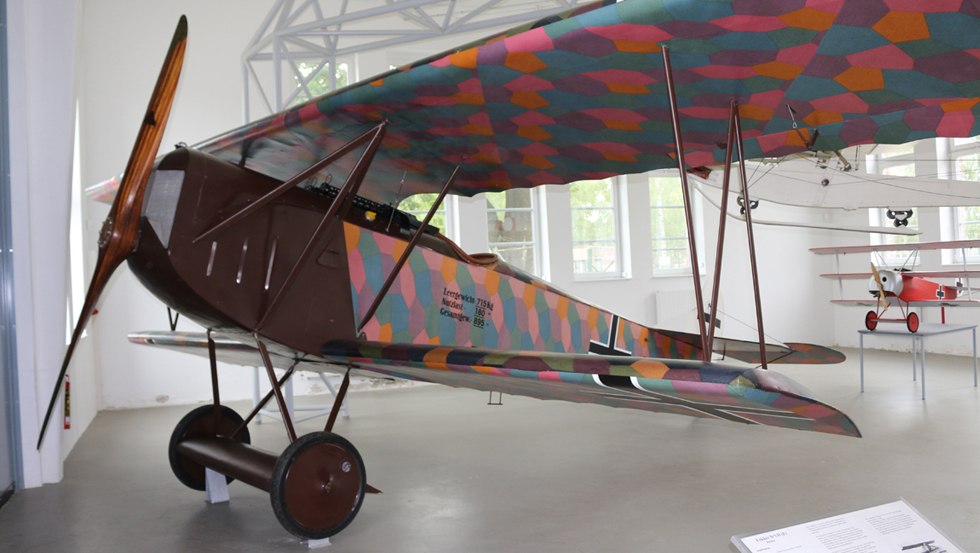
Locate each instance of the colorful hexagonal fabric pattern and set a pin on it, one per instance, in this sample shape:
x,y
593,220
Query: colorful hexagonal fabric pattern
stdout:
x,y
583,95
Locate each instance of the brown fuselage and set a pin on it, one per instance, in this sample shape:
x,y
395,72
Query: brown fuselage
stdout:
x,y
228,281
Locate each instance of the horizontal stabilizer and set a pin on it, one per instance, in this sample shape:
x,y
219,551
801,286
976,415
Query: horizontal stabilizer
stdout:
x,y
790,353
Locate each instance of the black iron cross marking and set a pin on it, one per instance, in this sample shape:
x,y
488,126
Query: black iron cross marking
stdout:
x,y
609,348
940,293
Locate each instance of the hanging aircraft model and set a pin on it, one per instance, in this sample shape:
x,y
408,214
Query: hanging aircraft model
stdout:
x,y
833,180
281,235
909,287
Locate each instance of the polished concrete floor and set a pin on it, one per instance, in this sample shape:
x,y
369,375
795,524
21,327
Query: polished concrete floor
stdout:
x,y
459,475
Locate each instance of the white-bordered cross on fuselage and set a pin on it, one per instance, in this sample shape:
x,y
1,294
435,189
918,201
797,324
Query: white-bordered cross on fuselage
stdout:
x,y
609,348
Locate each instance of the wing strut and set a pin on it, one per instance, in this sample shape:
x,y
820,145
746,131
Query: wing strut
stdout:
x,y
719,248
688,217
287,421
749,235
734,137
338,209
261,405
408,250
369,135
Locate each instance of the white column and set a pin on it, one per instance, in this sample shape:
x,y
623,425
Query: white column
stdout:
x,y
41,70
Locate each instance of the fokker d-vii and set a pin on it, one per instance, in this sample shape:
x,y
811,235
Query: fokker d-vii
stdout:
x,y
283,236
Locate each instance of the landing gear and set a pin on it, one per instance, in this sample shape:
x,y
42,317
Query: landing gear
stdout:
x,y
741,204
318,485
912,322
900,218
201,423
871,320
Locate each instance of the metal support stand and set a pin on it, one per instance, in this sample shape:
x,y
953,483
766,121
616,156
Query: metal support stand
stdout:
x,y
861,344
919,348
500,399
312,411
215,487
318,544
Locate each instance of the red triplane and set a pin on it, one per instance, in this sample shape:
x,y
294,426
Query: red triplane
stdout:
x,y
910,288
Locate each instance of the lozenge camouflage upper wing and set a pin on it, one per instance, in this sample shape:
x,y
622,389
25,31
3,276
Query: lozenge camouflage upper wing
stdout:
x,y
583,95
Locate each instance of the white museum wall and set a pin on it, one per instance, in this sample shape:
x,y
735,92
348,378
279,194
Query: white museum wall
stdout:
x,y
122,48
42,70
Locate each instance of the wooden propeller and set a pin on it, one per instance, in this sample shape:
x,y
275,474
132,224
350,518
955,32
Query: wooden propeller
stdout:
x,y
120,231
881,287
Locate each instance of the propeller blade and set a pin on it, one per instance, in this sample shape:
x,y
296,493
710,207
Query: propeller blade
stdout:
x,y
881,287
120,231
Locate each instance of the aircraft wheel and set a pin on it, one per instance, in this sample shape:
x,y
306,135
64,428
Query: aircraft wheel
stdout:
x,y
912,322
318,485
200,423
871,320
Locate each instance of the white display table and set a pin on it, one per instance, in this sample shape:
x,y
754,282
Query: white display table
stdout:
x,y
919,344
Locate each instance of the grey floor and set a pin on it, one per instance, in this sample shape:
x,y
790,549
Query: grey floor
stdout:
x,y
459,475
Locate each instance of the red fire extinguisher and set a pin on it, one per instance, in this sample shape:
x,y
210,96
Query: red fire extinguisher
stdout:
x,y
67,403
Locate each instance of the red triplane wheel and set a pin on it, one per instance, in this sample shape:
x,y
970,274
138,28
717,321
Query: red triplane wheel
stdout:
x,y
871,320
316,485
912,322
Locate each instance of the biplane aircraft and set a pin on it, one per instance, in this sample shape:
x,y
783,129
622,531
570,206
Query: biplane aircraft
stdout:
x,y
909,287
832,180
281,236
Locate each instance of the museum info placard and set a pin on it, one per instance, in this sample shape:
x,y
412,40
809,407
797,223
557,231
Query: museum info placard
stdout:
x,y
890,528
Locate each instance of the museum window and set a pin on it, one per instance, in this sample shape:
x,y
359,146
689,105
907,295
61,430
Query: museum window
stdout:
x,y
313,79
964,165
668,228
596,229
418,206
512,228
893,161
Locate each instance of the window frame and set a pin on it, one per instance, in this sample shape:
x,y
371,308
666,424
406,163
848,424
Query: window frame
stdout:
x,y
535,243
697,214
952,217
448,209
617,209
